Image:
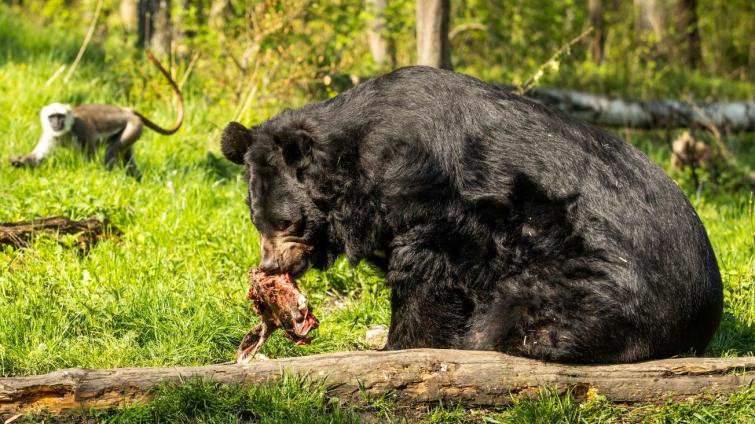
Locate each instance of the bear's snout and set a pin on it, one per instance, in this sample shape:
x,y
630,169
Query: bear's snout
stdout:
x,y
284,254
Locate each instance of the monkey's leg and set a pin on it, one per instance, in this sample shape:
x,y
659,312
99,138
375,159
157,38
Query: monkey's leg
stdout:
x,y
128,161
89,149
111,154
112,151
126,138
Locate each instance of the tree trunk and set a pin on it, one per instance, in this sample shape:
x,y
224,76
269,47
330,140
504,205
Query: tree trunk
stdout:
x,y
647,114
379,47
127,10
433,46
649,18
219,12
154,26
161,37
688,29
598,41
411,377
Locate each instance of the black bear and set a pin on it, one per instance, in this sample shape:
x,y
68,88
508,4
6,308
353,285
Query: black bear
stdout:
x,y
500,224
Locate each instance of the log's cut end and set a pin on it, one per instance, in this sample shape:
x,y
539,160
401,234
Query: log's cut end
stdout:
x,y
64,391
411,377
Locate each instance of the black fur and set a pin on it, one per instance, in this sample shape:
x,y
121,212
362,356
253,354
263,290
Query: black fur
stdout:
x,y
505,225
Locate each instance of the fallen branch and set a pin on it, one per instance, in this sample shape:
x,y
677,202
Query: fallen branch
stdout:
x,y
411,377
647,114
89,231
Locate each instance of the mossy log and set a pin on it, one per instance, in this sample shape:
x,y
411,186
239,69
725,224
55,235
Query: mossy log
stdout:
x,y
411,377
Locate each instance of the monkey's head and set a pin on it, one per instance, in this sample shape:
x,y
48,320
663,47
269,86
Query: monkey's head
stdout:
x,y
293,229
57,118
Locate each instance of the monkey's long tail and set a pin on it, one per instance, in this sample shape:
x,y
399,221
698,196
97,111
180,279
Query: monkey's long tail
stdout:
x,y
178,96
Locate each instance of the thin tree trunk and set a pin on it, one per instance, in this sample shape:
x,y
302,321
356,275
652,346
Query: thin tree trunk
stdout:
x,y
161,38
155,26
146,11
379,47
411,377
127,10
598,41
650,29
689,30
219,12
433,46
649,18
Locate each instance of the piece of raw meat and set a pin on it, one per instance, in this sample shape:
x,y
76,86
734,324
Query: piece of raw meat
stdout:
x,y
279,303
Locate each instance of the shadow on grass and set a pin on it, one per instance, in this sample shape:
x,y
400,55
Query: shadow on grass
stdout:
x,y
733,338
218,169
294,399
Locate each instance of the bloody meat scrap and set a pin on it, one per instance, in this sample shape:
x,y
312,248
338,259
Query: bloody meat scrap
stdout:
x,y
279,304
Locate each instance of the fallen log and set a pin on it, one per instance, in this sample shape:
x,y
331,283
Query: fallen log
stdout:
x,y
647,114
89,231
411,377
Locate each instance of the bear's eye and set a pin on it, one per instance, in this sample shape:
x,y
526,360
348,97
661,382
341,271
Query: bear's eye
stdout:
x,y
284,224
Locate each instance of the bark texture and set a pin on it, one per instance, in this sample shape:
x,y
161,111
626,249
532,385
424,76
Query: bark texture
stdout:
x,y
413,377
433,46
379,47
598,41
155,26
688,28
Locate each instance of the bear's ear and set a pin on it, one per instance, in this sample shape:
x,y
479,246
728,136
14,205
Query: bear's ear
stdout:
x,y
235,142
296,147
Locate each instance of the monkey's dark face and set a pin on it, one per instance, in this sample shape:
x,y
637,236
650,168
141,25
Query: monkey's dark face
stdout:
x,y
292,229
57,121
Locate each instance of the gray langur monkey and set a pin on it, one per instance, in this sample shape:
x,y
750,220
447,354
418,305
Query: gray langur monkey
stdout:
x,y
91,124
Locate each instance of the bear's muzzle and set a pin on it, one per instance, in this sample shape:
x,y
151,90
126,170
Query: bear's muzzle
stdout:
x,y
282,253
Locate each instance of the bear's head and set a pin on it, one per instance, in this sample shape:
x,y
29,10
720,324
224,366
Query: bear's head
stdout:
x,y
290,224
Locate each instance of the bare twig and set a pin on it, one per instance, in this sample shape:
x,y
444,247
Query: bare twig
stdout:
x,y
251,92
189,69
711,126
84,45
243,68
466,27
55,75
566,48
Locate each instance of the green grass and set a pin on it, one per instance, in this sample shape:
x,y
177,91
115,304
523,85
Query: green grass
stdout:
x,y
171,289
